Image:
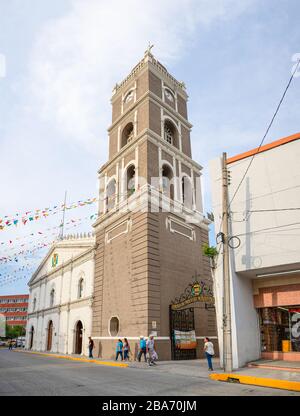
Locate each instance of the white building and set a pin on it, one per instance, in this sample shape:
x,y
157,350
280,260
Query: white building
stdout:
x,y
265,267
60,300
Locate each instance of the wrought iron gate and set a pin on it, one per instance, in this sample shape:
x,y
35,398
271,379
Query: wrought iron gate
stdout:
x,y
181,320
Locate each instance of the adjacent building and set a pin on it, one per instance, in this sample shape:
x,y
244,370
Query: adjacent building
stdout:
x,y
14,308
150,273
264,258
61,295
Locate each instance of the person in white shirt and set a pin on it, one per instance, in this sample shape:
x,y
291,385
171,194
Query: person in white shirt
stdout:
x,y
150,348
209,352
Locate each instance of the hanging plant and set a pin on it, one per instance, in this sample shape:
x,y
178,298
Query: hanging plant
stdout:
x,y
209,251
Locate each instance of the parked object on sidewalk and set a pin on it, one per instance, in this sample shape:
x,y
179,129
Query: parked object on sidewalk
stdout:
x,y
209,352
142,350
91,347
126,349
119,350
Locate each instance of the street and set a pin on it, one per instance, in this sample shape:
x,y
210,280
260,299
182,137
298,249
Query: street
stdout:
x,y
23,374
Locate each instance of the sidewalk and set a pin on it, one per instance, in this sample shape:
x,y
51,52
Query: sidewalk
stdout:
x,y
74,357
265,373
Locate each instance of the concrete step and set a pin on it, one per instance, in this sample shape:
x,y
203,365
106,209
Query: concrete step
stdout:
x,y
276,365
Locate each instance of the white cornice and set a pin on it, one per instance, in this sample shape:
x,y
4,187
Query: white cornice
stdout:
x,y
154,98
149,62
150,135
33,283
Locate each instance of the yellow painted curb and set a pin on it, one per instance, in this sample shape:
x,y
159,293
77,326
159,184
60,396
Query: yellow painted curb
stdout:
x,y
83,360
258,381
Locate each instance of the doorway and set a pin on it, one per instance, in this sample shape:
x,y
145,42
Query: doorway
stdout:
x,y
78,338
49,336
183,336
31,338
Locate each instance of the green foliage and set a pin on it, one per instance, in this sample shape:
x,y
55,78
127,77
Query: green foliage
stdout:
x,y
14,331
209,251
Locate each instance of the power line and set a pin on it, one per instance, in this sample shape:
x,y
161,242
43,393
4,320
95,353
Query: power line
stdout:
x,y
265,135
275,209
269,228
262,141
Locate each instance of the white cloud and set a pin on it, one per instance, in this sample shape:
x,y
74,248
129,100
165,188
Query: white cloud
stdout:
x,y
79,57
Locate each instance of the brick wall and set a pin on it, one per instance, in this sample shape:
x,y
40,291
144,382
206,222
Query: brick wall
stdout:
x,y
277,296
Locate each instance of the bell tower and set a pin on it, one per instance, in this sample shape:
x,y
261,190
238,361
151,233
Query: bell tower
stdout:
x,y
151,228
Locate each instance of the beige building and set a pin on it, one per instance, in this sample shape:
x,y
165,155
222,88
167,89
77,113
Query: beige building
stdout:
x,y
151,227
264,253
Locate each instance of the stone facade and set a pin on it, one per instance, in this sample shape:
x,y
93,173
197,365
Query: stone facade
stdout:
x,y
149,242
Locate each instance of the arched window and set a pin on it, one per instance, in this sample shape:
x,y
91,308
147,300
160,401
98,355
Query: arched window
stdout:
x,y
52,294
111,194
167,181
127,134
114,326
170,132
129,96
169,95
187,192
130,180
34,304
80,288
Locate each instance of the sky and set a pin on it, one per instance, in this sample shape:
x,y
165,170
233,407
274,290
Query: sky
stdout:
x,y
59,61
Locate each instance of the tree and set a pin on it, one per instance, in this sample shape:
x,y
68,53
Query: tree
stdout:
x,y
211,252
15,331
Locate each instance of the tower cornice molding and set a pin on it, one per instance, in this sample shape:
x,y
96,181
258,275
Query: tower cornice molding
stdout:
x,y
150,135
150,62
153,98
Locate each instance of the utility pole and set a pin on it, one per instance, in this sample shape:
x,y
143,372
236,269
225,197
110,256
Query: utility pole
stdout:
x,y
61,232
227,346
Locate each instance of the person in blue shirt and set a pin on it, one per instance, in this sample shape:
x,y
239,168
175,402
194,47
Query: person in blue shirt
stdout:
x,y
142,349
119,350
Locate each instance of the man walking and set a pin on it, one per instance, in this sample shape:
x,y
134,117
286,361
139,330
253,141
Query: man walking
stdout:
x,y
142,349
119,350
150,348
91,347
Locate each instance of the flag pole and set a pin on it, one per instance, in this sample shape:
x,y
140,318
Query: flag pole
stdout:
x,y
61,233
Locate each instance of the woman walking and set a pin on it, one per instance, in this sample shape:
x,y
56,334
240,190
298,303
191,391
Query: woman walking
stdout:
x,y
119,350
126,349
209,352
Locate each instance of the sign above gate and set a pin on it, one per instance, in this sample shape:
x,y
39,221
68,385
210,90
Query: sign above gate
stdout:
x,y
195,292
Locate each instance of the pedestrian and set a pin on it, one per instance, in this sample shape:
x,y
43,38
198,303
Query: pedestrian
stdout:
x,y
10,345
142,349
209,352
91,347
126,349
150,348
119,350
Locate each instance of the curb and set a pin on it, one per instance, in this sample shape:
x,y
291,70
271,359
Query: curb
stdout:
x,y
83,360
257,381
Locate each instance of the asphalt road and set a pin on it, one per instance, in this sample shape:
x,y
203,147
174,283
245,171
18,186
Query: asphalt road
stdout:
x,y
23,374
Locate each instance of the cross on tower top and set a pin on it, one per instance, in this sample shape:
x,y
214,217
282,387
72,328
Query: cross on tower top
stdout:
x,y
148,50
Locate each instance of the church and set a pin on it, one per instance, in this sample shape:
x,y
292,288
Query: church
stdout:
x,y
151,276
60,297
142,271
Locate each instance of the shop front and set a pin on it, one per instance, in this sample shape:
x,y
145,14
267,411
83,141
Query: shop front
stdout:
x,y
279,321
280,332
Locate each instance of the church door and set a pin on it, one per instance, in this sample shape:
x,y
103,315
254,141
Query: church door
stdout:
x,y
49,337
31,338
78,338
